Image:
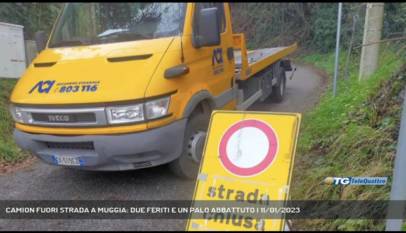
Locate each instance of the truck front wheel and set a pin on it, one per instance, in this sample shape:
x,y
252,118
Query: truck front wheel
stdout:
x,y
187,165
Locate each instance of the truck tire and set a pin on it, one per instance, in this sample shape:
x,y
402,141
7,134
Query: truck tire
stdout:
x,y
187,165
278,91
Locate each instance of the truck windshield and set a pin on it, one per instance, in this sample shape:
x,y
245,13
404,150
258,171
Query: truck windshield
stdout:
x,y
99,23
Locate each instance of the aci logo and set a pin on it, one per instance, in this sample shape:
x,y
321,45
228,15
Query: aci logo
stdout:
x,y
356,180
217,61
43,86
217,56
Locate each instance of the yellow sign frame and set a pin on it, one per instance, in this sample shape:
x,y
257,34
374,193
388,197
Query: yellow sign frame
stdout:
x,y
213,179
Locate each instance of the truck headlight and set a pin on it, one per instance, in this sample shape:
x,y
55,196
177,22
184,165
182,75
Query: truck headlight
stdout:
x,y
17,114
157,108
125,114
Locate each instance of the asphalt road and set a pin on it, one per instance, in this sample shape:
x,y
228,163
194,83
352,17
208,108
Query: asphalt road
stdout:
x,y
40,181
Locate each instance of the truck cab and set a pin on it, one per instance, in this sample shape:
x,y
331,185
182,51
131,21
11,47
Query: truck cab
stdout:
x,y
120,86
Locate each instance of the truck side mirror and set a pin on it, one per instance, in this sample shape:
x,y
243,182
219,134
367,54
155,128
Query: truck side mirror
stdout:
x,y
207,28
40,40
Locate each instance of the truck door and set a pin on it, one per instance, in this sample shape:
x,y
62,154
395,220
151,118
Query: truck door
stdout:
x,y
219,63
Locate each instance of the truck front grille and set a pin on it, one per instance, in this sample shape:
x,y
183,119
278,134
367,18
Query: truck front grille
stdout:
x,y
70,145
64,117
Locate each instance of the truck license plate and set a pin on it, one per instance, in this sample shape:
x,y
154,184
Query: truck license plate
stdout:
x,y
67,160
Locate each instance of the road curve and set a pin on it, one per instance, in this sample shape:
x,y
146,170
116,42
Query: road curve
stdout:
x,y
44,182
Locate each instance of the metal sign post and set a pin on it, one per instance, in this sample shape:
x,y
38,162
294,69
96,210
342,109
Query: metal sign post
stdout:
x,y
337,49
398,192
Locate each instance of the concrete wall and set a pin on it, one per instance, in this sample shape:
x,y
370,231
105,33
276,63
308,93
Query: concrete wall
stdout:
x,y
372,35
30,51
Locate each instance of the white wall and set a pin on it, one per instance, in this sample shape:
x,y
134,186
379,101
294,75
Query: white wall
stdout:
x,y
30,51
12,51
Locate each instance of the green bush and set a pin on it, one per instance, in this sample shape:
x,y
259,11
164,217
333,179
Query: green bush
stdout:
x,y
352,134
34,16
9,152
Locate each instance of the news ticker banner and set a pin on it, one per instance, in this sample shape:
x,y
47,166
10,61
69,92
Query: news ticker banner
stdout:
x,y
214,210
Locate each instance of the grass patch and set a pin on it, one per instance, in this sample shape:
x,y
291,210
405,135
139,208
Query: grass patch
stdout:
x,y
9,152
353,134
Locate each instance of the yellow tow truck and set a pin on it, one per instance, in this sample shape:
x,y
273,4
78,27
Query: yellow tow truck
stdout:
x,y
120,86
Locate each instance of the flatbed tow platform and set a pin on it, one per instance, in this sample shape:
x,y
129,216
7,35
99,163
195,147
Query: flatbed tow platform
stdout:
x,y
256,65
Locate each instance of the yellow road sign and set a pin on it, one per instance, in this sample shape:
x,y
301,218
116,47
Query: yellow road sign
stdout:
x,y
248,157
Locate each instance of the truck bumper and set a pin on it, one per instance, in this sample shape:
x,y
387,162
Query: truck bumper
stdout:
x,y
109,152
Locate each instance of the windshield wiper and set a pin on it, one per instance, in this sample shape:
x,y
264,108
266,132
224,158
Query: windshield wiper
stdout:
x,y
123,35
109,32
67,43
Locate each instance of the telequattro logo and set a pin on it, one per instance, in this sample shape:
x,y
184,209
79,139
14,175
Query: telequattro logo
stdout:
x,y
356,180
